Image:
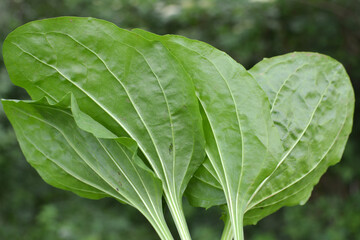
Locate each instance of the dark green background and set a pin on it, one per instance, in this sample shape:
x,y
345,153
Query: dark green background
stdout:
x,y
248,31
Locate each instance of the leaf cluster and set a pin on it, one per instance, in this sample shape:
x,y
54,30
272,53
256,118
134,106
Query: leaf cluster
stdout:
x,y
141,117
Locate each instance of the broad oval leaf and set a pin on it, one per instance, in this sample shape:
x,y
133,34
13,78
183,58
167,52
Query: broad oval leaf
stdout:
x,y
131,86
71,159
312,105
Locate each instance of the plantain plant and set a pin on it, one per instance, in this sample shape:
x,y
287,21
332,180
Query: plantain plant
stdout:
x,y
141,117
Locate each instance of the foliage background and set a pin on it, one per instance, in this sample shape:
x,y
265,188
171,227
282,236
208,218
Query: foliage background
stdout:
x,y
248,31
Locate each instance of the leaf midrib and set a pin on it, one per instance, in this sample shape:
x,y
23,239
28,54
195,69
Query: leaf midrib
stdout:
x,y
241,134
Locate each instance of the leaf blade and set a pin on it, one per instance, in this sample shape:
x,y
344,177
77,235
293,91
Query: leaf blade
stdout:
x,y
52,131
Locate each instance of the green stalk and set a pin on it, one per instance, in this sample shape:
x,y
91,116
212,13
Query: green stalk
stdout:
x,y
177,213
235,214
237,226
228,233
160,226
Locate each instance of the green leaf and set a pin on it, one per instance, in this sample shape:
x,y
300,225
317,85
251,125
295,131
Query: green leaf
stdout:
x,y
312,105
243,144
131,86
72,159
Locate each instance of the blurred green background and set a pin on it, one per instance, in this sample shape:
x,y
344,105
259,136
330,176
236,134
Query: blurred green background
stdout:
x,y
248,31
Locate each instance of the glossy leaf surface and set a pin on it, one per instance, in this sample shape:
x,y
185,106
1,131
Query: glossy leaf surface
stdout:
x,y
131,86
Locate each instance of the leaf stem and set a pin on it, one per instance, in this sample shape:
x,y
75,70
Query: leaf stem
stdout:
x,y
176,210
162,229
158,223
228,233
237,226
